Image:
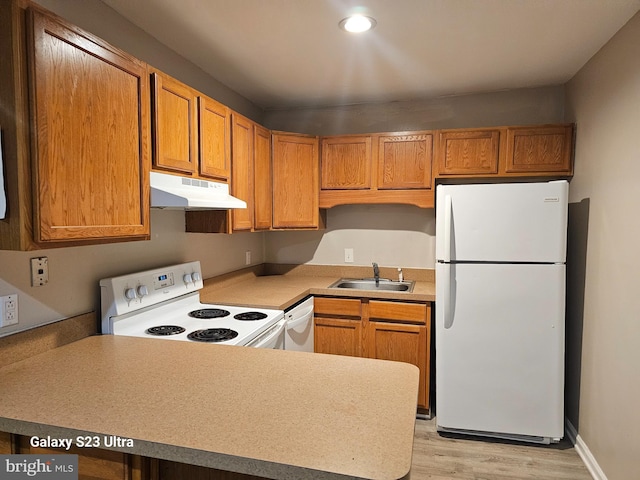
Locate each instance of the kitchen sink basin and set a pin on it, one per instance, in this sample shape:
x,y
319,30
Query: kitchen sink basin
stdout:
x,y
370,284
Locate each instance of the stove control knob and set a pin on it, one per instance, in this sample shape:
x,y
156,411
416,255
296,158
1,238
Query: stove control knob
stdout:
x,y
196,276
187,278
142,290
130,293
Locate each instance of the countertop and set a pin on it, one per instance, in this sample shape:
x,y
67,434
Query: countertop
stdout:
x,y
282,290
272,413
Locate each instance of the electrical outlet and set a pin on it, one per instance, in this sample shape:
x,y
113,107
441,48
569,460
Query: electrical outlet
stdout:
x,y
247,257
9,310
39,271
348,255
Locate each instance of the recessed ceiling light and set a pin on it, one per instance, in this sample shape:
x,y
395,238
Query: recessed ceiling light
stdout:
x,y
357,23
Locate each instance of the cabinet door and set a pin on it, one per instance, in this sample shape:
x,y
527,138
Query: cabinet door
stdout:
x,y
545,149
262,212
174,125
346,163
242,170
338,336
6,443
214,139
338,326
404,161
401,343
468,152
90,104
295,181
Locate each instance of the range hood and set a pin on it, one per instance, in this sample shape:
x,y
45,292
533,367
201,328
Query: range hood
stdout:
x,y
184,193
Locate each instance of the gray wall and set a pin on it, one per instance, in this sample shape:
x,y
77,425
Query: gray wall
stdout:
x,y
513,107
603,308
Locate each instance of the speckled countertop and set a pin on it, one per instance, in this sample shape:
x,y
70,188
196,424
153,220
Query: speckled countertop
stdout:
x,y
280,286
271,413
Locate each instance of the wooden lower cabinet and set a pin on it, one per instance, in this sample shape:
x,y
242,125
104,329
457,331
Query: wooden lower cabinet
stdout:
x,y
401,343
382,329
166,470
95,463
6,443
338,336
101,464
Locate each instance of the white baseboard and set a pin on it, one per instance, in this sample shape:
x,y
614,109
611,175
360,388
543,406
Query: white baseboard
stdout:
x,y
584,452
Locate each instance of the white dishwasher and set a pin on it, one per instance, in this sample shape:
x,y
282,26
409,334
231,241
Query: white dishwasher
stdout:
x,y
299,328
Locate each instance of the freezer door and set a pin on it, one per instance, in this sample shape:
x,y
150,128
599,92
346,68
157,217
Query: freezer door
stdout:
x,y
514,222
500,348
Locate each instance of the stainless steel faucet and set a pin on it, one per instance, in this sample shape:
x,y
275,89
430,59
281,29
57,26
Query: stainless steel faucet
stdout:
x,y
376,273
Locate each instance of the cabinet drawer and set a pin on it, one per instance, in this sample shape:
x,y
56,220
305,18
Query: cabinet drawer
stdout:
x,y
398,311
337,306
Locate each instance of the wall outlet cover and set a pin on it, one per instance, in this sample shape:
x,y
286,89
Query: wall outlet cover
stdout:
x,y
39,271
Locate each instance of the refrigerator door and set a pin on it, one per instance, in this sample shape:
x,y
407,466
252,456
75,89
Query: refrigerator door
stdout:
x,y
500,349
513,222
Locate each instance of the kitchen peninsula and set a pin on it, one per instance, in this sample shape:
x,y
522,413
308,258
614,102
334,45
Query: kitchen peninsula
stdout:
x,y
270,413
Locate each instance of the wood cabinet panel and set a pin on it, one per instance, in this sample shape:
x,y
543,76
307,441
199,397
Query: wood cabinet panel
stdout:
x,y
214,139
468,152
91,112
345,307
174,125
539,149
404,161
346,162
242,170
263,203
6,443
383,329
167,470
401,343
338,336
93,463
295,181
398,311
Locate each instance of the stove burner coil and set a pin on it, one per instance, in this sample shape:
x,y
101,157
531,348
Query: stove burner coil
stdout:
x,y
206,313
165,330
212,335
250,316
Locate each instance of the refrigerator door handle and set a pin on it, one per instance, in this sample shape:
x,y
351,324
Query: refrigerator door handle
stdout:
x,y
448,305
447,228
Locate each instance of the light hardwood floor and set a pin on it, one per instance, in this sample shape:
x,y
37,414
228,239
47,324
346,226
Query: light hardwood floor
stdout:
x,y
454,457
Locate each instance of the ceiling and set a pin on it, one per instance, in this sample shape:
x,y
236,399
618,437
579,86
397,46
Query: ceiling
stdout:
x,y
291,53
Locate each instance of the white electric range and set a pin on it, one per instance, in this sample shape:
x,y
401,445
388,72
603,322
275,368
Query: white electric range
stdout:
x,y
164,303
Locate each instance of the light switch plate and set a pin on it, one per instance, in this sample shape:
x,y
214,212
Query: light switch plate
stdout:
x,y
348,255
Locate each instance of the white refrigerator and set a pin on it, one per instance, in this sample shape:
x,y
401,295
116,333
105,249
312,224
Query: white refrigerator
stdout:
x,y
500,308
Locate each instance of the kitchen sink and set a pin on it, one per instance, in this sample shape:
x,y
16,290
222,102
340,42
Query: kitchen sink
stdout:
x,y
370,284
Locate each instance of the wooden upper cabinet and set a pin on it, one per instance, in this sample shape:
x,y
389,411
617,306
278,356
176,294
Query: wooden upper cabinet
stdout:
x,y
346,162
242,170
539,149
404,161
214,139
295,181
533,151
90,114
263,202
468,152
175,125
